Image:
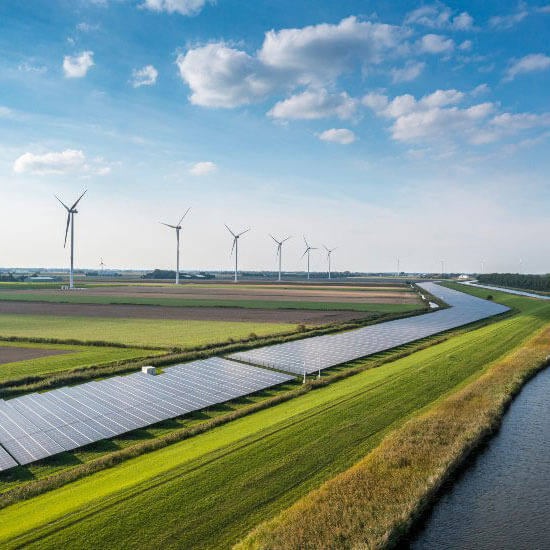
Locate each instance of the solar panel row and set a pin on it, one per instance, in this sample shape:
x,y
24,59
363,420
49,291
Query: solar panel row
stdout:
x,y
310,355
39,425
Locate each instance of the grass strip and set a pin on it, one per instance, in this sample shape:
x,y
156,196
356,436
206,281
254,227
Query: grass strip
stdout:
x,y
211,302
373,504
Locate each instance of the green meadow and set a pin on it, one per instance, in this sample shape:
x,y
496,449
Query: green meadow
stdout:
x,y
137,332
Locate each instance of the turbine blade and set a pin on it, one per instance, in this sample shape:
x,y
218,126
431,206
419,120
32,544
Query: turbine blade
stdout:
x,y
78,200
325,247
66,207
284,240
273,238
230,230
305,240
243,232
233,247
307,249
67,229
168,225
179,223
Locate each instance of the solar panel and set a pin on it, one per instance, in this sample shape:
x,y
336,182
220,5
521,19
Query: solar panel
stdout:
x,y
6,460
313,354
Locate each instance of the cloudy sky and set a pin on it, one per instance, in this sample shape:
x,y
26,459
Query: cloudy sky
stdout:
x,y
418,130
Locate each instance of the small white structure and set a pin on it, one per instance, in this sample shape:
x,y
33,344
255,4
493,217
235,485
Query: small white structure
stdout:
x,y
149,370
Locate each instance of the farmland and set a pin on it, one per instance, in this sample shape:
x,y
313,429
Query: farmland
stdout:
x,y
251,468
138,332
386,299
63,357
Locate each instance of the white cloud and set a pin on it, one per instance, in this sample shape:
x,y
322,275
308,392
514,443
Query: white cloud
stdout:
x,y
5,112
543,9
202,168
409,72
439,16
527,64
86,27
76,66
222,76
508,21
338,135
480,90
314,104
28,68
69,161
183,7
465,46
433,117
146,76
520,121
435,43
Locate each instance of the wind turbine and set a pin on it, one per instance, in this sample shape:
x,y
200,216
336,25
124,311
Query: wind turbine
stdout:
x,y
70,222
178,229
398,270
307,251
442,267
102,265
279,250
329,252
236,246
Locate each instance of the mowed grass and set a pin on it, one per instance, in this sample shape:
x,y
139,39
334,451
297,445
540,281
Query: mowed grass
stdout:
x,y
209,491
138,332
80,357
214,302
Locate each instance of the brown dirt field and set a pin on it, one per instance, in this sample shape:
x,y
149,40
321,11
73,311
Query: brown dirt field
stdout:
x,y
272,294
290,316
9,354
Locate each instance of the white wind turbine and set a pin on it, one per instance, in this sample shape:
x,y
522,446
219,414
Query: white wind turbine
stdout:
x,y
178,229
102,265
329,253
236,246
307,251
279,250
70,222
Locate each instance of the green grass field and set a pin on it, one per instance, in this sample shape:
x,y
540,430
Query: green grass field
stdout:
x,y
192,302
81,357
208,491
138,332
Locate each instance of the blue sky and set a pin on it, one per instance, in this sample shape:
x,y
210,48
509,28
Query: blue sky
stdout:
x,y
417,130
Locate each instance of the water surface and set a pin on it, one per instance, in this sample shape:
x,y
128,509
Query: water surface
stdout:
x,y
502,500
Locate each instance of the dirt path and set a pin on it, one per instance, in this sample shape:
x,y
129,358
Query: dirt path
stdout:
x,y
10,354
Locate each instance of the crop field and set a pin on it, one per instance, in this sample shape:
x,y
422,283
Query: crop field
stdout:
x,y
137,332
52,358
237,475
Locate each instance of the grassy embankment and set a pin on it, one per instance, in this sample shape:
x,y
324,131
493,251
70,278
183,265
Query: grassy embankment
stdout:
x,y
235,476
213,302
80,357
141,332
373,504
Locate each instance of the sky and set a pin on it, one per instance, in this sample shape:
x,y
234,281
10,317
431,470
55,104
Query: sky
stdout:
x,y
416,130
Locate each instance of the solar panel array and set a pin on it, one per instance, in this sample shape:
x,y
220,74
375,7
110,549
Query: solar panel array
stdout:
x,y
39,425
508,290
312,354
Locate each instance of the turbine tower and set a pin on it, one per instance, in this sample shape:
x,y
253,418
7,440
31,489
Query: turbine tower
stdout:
x,y
307,251
398,270
236,247
70,222
178,229
329,252
442,267
102,265
279,250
